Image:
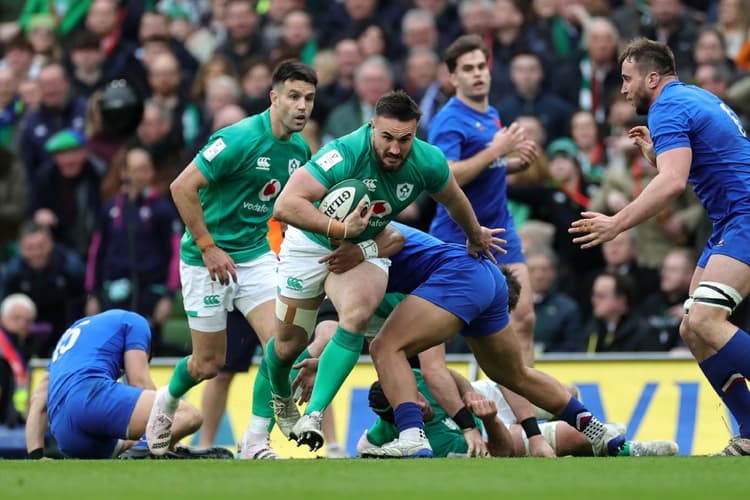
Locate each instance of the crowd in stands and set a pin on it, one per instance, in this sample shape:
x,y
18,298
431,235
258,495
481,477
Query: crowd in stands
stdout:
x,y
86,220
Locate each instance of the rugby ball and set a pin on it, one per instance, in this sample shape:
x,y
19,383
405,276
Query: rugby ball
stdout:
x,y
343,198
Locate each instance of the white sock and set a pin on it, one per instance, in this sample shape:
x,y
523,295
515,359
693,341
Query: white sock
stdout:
x,y
257,429
412,434
167,401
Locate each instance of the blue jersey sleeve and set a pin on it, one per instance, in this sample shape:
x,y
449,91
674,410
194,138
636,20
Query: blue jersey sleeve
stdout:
x,y
669,128
449,140
138,335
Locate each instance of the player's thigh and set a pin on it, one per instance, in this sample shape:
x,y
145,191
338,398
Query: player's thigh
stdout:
x,y
401,331
359,290
499,354
256,294
299,274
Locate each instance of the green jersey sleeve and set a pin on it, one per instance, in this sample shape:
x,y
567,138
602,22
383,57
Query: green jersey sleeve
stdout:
x,y
331,164
223,155
437,172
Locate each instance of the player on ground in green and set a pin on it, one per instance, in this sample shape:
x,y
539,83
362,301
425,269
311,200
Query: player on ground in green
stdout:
x,y
225,197
396,167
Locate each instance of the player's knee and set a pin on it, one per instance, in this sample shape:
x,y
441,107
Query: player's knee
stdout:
x,y
191,417
378,349
355,319
206,366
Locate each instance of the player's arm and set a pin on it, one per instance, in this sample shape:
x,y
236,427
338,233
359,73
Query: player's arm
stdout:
x,y
294,206
674,168
347,255
503,142
36,421
184,191
136,369
499,439
524,413
442,386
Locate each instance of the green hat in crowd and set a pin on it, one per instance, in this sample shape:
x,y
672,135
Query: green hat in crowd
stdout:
x,y
564,146
64,140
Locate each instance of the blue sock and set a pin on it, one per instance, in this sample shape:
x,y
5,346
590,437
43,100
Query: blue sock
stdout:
x,y
580,418
726,371
408,416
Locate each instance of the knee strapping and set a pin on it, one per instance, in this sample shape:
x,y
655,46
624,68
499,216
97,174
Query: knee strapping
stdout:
x,y
714,294
292,315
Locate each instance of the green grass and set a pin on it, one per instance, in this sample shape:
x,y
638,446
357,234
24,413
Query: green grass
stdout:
x,y
455,479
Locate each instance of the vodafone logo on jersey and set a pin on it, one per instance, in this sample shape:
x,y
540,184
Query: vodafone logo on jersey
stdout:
x,y
270,190
381,208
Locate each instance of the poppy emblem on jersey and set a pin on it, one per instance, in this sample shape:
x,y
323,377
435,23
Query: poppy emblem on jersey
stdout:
x,y
380,208
403,191
294,164
270,190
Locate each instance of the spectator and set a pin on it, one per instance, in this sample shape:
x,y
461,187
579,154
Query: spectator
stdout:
x,y
85,64
17,313
673,25
476,19
420,72
419,30
65,195
243,37
716,78
614,327
558,318
447,22
256,85
734,24
272,21
14,200
164,79
52,276
348,58
134,254
216,66
154,25
297,39
41,35
375,40
529,97
594,77
69,14
372,79
664,310
59,109
11,106
591,152
560,202
710,47
19,56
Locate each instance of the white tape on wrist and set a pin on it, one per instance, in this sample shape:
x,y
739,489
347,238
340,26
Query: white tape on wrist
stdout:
x,y
369,248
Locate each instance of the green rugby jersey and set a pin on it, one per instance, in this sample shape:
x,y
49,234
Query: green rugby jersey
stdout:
x,y
246,166
352,157
444,435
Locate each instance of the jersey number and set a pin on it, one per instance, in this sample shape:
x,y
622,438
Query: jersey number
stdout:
x,y
734,118
68,340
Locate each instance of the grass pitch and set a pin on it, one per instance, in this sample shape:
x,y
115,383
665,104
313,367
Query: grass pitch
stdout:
x,y
455,479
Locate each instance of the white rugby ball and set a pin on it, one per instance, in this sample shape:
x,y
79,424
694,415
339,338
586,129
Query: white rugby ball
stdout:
x,y
343,198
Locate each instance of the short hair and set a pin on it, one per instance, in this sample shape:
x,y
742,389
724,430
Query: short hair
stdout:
x,y
16,299
31,227
514,287
649,56
397,104
85,40
225,81
461,46
293,70
374,61
624,285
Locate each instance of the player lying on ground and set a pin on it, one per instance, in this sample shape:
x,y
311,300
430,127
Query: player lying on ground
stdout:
x,y
91,414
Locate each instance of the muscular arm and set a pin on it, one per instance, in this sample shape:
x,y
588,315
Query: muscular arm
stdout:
x,y
136,369
459,208
184,191
439,379
36,422
674,168
295,203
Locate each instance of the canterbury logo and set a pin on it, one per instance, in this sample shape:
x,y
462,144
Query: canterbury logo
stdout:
x,y
211,300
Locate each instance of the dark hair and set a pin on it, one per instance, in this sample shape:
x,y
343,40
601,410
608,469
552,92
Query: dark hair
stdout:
x,y
624,286
31,227
293,70
514,287
397,104
379,403
649,56
19,42
461,46
83,40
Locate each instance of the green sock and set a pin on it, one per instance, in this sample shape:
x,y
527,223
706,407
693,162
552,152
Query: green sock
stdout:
x,y
278,371
336,362
181,380
303,356
262,392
